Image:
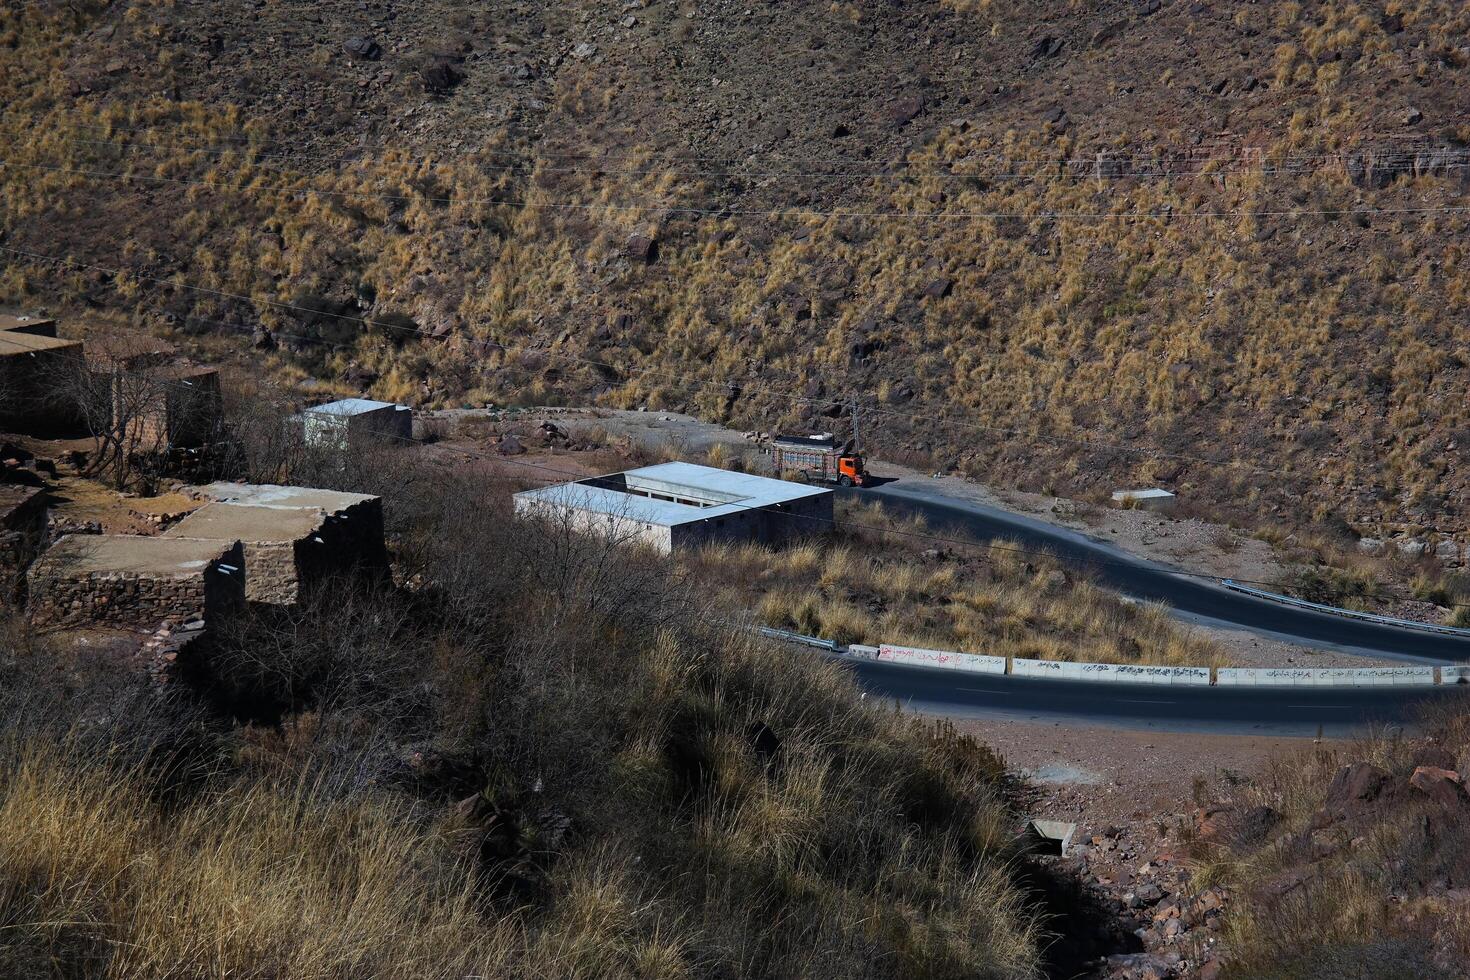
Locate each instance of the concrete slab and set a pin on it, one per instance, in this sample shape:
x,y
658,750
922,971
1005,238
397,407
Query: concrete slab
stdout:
x,y
39,326
88,554
242,522
281,498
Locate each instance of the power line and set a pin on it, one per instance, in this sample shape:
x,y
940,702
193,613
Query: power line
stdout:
x,y
675,377
674,209
1243,151
775,509
967,542
772,509
1054,169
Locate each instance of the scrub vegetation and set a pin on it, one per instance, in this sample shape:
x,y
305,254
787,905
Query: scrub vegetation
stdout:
x,y
1345,860
1247,291
532,760
884,579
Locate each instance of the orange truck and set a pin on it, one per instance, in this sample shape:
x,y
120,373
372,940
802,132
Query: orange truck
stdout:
x,y
818,459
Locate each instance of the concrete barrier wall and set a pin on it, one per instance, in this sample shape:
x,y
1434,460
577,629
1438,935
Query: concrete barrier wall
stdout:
x,y
1326,677
947,659
1143,674
1112,673
1454,675
1345,677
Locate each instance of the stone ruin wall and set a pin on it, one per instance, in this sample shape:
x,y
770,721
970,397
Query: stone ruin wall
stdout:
x,y
271,571
136,599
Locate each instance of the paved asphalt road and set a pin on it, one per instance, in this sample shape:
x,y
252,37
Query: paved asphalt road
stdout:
x,y
1192,598
1289,711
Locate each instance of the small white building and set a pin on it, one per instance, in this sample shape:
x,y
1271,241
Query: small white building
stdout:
x,y
682,505
1154,498
338,424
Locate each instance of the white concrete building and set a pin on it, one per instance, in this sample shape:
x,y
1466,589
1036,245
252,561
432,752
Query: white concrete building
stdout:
x,y
681,505
337,424
1154,498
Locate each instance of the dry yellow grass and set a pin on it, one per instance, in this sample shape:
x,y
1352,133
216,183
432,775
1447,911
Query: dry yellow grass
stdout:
x,y
266,873
1363,889
872,587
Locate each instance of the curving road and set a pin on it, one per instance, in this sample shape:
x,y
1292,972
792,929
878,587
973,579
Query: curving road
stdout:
x,y
1191,598
1298,711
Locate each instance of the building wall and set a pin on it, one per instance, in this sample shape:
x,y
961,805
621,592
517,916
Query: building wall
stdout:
x,y
610,526
769,525
22,536
31,401
135,599
796,519
349,548
271,575
339,432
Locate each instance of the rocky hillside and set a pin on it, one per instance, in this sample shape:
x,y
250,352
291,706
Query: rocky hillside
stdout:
x,y
1220,246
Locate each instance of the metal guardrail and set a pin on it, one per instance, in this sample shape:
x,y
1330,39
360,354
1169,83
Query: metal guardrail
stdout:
x,y
1287,600
831,646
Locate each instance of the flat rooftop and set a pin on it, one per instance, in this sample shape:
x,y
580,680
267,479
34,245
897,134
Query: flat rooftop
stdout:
x,y
40,325
350,406
282,498
670,494
180,372
110,345
83,554
15,495
13,343
239,522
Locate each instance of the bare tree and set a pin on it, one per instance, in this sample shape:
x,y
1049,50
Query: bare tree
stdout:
x,y
137,416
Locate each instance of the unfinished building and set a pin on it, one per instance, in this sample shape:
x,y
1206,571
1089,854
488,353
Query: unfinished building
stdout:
x,y
37,326
127,581
34,369
682,505
177,405
294,538
353,421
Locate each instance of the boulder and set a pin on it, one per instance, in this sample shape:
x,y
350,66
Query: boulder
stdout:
x,y
1231,826
363,47
1370,546
1447,551
1354,784
1440,785
584,51
1047,47
642,248
904,110
1056,118
1410,547
440,77
1435,756
939,288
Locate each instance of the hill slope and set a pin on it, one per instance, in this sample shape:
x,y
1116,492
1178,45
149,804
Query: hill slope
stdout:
x,y
1212,245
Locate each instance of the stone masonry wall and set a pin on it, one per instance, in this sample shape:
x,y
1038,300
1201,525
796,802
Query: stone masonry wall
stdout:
x,y
22,536
352,545
137,599
270,572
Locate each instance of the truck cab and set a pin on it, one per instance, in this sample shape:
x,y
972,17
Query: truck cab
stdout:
x,y
850,472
